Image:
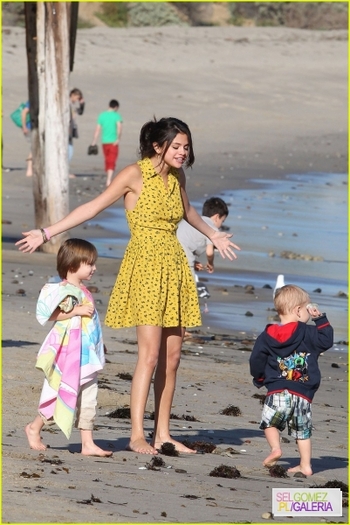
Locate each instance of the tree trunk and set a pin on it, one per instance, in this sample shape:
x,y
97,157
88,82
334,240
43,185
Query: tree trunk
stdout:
x,y
49,84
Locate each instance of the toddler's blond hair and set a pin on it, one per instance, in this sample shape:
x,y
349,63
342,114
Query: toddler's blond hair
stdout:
x,y
288,297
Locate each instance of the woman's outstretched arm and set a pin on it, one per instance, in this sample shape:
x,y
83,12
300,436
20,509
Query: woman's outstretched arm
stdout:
x,y
125,182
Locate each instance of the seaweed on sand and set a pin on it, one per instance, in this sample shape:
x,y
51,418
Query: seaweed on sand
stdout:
x,y
223,471
120,413
231,410
155,463
200,446
168,449
278,472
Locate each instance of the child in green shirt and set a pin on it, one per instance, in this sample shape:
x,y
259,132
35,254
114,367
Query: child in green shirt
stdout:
x,y
110,124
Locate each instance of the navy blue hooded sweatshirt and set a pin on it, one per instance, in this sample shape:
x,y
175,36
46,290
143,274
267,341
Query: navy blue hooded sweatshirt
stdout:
x,y
285,357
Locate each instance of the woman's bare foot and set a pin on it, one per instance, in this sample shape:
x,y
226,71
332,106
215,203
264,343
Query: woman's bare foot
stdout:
x,y
272,458
72,176
34,438
180,447
94,450
307,471
141,447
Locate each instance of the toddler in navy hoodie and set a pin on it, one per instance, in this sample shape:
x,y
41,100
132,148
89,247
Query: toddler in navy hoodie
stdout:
x,y
285,360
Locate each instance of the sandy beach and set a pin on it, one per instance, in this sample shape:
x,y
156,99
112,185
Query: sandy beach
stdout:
x,y
261,103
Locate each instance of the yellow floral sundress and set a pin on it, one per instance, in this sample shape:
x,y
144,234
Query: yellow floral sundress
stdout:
x,y
155,284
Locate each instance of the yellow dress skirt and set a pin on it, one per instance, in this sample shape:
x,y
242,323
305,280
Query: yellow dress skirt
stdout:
x,y
155,285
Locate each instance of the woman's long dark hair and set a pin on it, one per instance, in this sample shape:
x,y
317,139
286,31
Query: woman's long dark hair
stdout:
x,y
163,132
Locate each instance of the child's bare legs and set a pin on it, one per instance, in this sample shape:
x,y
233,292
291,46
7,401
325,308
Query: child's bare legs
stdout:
x,y
29,161
273,438
304,446
109,177
89,447
70,156
33,430
164,387
149,340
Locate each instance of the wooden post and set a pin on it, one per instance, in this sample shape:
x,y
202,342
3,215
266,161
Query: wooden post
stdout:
x,y
37,152
48,31
73,26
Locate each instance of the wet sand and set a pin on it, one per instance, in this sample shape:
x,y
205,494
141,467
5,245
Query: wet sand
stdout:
x,y
249,97
60,485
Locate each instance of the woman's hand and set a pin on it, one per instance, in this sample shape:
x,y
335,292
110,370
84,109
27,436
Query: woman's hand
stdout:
x,y
31,241
221,241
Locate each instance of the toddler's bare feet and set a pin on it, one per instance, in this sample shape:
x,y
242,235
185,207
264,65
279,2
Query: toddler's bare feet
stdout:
x,y
180,447
94,450
34,438
272,458
141,447
307,471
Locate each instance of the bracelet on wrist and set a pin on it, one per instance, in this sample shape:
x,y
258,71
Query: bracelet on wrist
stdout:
x,y
45,239
48,236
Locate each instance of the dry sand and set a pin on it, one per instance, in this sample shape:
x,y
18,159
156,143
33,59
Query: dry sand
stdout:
x,y
260,103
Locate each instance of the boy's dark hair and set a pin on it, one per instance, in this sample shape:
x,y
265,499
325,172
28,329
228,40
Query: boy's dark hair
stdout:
x,y
76,91
163,132
214,206
72,254
114,103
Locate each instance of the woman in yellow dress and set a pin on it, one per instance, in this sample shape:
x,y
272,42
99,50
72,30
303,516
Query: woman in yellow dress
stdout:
x,y
154,290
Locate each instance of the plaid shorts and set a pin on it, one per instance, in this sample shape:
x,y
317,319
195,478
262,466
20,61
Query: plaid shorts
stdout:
x,y
283,409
